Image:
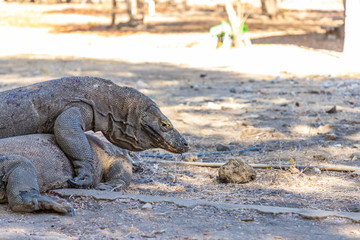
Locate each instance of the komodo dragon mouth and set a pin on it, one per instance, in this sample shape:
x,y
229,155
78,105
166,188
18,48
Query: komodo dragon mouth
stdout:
x,y
170,140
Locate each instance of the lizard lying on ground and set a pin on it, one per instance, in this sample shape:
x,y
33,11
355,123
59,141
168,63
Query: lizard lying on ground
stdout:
x,y
70,106
34,163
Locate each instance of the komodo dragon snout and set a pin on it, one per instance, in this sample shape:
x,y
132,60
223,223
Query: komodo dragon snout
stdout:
x,y
161,133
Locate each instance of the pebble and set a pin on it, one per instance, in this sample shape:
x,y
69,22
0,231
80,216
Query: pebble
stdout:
x,y
213,106
355,174
254,116
248,89
147,206
317,170
141,84
354,208
232,90
332,110
312,115
313,170
195,87
236,171
327,84
190,157
355,155
330,137
222,147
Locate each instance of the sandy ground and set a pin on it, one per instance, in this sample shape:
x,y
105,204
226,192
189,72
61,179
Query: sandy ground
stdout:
x,y
274,94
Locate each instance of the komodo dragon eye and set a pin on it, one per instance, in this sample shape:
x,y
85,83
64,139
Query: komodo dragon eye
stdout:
x,y
165,125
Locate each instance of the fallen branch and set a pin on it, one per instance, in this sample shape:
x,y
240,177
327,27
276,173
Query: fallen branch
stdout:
x,y
203,154
277,166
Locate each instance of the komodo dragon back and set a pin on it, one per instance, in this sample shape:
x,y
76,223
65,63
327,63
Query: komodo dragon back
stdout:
x,y
31,164
53,167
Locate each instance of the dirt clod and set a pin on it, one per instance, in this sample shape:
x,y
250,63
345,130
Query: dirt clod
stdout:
x,y
236,171
190,157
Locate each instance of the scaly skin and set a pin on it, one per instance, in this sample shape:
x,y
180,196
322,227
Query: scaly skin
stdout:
x,y
70,106
31,164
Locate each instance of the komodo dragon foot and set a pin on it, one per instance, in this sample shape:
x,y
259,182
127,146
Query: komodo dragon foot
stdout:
x,y
19,187
34,202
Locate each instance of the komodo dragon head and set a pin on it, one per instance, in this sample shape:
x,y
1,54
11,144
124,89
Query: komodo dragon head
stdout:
x,y
143,126
160,132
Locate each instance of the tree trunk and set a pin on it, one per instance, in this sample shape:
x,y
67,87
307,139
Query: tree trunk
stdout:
x,y
131,7
151,7
134,17
352,33
270,8
237,21
113,13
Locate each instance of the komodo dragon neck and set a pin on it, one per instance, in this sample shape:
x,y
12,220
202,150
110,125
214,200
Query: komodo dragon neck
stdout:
x,y
119,118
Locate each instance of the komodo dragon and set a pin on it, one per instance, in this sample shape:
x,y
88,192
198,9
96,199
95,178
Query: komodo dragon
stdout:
x,y
34,163
70,106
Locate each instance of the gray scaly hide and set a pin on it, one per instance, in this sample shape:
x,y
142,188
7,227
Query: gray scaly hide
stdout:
x,y
70,106
31,164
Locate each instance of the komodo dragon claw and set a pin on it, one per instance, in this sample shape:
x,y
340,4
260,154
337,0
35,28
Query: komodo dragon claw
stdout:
x,y
34,202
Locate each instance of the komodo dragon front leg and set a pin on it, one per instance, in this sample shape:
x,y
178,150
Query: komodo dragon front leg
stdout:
x,y
19,187
69,133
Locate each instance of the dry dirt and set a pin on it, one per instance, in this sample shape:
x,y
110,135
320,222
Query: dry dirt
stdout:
x,y
274,94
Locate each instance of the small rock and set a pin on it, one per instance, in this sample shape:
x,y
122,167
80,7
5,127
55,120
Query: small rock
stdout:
x,y
222,147
190,157
355,174
313,92
146,206
294,170
248,89
236,171
37,72
327,84
203,75
232,90
355,154
141,84
317,170
312,115
158,232
332,110
254,116
354,208
213,106
330,137
195,87
313,170
247,219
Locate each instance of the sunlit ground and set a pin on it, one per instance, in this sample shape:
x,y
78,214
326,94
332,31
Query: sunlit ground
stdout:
x,y
273,94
